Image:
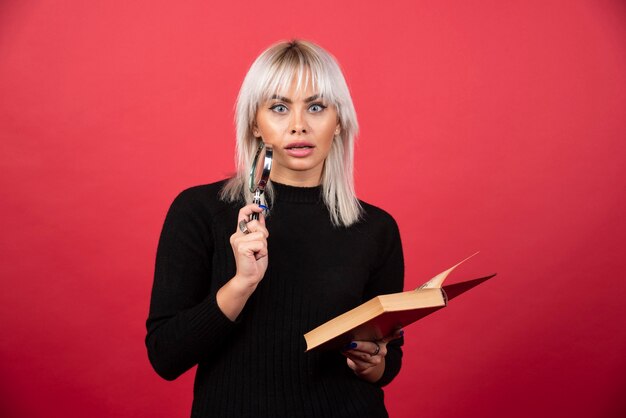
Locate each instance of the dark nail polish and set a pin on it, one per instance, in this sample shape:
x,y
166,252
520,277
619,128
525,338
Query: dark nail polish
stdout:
x,y
350,346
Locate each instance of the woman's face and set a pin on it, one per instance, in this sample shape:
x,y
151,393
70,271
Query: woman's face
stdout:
x,y
300,126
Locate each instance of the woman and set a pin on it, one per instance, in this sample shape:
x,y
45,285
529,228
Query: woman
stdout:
x,y
236,297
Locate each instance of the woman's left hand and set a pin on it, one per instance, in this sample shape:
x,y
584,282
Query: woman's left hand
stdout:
x,y
367,358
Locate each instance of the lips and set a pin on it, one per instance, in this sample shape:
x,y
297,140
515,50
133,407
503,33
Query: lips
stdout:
x,y
300,145
299,149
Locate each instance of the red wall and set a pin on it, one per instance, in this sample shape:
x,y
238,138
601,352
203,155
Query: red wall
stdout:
x,y
493,126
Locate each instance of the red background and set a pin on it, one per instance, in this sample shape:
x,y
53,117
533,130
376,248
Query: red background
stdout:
x,y
493,126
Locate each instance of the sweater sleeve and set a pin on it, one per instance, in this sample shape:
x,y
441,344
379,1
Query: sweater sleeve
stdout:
x,y
388,277
185,324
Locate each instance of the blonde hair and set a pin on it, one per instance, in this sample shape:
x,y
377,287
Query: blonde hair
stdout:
x,y
273,71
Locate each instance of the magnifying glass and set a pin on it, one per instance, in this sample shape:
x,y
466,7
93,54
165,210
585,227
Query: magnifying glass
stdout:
x,y
260,174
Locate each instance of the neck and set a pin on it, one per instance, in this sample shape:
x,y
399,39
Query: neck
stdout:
x,y
297,179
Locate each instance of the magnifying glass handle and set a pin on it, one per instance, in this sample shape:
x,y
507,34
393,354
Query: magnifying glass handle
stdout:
x,y
256,200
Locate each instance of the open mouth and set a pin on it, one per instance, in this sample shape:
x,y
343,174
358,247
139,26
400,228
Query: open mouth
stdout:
x,y
300,149
299,146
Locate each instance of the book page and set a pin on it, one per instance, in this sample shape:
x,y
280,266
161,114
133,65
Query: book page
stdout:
x,y
438,280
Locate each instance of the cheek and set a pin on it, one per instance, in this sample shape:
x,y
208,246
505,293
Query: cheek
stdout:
x,y
329,126
271,132
268,126
328,133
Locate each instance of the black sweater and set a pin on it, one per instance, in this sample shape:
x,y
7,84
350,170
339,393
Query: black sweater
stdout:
x,y
256,366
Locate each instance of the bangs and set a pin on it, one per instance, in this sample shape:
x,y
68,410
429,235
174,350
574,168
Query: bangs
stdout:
x,y
296,67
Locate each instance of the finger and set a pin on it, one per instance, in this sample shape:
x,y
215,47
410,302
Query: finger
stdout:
x,y
361,356
240,239
246,211
256,249
358,356
363,361
370,348
258,226
254,239
358,366
351,364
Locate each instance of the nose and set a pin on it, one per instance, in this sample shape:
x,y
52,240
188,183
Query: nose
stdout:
x,y
298,123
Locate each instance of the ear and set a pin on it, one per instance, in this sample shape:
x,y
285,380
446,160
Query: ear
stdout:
x,y
338,129
256,132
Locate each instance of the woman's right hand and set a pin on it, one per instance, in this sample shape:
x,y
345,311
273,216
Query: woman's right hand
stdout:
x,y
250,249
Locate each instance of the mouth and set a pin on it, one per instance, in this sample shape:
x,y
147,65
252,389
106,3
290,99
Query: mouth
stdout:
x,y
299,145
300,149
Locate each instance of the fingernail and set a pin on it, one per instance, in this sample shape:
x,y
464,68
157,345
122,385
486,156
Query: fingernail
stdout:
x,y
401,332
350,346
263,207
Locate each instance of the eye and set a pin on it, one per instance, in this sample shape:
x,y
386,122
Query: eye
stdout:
x,y
279,108
316,107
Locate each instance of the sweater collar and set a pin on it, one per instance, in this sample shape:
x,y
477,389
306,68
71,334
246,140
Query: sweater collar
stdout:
x,y
285,193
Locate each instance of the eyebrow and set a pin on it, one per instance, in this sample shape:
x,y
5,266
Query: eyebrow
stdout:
x,y
288,100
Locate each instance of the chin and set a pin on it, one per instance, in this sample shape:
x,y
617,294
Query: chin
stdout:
x,y
302,167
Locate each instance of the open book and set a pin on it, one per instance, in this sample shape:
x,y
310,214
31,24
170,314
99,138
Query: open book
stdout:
x,y
382,315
